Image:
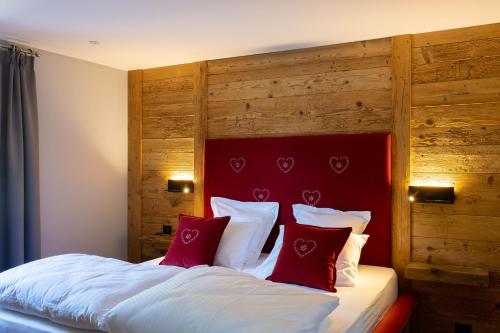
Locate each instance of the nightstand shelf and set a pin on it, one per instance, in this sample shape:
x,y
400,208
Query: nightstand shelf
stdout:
x,y
470,276
154,246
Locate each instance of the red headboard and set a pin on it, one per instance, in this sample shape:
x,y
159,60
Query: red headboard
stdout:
x,y
347,172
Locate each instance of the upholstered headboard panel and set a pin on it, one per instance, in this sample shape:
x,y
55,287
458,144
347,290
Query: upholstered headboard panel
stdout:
x,y
347,172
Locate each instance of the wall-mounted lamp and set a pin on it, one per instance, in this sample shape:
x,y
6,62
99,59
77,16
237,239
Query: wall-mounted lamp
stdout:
x,y
186,186
431,194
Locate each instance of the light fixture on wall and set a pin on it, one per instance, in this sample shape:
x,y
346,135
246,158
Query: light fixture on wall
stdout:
x,y
432,194
185,186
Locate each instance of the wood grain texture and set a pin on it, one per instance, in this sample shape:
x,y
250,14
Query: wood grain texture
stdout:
x,y
297,69
168,127
449,290
361,49
165,85
401,68
460,252
200,132
465,124
470,276
457,92
346,112
453,52
330,82
476,194
168,72
454,139
469,227
168,120
456,159
134,164
468,69
457,35
449,79
440,313
168,110
154,246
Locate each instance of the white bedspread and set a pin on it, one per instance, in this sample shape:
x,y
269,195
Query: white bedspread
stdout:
x,y
76,290
216,299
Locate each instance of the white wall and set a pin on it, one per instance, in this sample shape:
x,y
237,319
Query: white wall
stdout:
x,y
82,110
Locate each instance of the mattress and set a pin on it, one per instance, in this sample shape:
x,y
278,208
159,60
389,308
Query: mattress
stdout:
x,y
360,309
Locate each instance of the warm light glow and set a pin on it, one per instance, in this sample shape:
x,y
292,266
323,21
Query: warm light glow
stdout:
x,y
432,182
186,189
411,198
182,176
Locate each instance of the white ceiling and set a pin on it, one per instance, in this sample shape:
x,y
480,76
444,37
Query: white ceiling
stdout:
x,y
150,33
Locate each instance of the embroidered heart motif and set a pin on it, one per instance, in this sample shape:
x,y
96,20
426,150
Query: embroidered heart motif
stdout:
x,y
261,194
237,163
311,197
285,164
339,164
304,247
189,235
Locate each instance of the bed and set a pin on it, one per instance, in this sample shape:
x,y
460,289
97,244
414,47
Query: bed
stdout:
x,y
349,172
360,308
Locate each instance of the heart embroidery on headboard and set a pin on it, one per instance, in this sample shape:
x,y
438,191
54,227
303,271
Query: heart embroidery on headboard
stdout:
x,y
237,163
285,164
261,194
189,235
304,247
311,197
339,164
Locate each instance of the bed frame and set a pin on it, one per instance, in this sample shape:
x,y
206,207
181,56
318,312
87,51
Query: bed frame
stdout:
x,y
348,172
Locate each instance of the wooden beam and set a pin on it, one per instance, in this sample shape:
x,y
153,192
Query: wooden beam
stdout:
x,y
457,35
401,99
134,164
200,96
168,72
469,276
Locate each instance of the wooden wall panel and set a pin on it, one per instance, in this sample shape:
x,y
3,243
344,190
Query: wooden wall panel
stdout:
x,y
438,93
167,139
332,89
333,53
401,101
455,139
200,133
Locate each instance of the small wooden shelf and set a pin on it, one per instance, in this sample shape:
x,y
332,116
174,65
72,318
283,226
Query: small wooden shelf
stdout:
x,y
470,276
159,239
154,246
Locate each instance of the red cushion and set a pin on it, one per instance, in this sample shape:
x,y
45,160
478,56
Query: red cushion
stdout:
x,y
308,256
196,241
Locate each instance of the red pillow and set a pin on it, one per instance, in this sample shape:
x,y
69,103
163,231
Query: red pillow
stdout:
x,y
308,256
196,241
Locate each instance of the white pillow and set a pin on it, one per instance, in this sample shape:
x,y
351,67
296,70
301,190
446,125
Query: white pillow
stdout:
x,y
264,213
346,265
234,243
331,218
266,268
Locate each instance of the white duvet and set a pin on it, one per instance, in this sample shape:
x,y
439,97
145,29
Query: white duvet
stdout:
x,y
96,293
76,290
220,300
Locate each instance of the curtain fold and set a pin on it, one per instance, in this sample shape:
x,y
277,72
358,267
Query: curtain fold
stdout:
x,y
19,176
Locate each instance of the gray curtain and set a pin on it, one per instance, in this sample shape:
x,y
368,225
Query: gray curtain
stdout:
x,y
19,183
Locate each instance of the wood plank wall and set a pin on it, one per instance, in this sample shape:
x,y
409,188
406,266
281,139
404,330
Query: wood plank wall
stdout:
x,y
455,139
168,122
451,134
325,90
